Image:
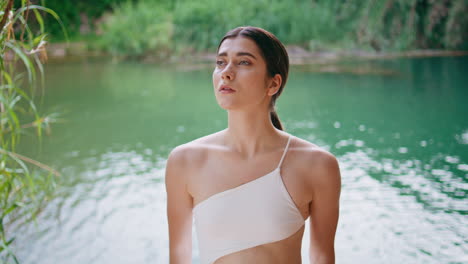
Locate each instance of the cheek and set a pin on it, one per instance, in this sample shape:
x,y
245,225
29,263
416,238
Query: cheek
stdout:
x,y
216,79
258,84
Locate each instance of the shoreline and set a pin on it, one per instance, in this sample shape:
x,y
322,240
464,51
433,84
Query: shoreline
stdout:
x,y
297,55
331,61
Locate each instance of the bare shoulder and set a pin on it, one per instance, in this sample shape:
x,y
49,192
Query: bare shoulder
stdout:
x,y
191,153
310,153
319,167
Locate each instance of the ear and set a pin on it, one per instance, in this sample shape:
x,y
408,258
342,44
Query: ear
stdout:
x,y
275,84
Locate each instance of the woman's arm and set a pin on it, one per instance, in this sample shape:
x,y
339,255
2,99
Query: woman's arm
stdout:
x,y
324,209
179,209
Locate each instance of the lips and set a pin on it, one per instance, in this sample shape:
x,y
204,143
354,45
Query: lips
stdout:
x,y
226,89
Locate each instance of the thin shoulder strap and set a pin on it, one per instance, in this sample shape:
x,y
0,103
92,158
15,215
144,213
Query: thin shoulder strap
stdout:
x,y
285,150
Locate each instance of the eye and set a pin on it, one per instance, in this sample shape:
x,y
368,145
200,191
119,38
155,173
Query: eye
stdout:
x,y
220,63
244,62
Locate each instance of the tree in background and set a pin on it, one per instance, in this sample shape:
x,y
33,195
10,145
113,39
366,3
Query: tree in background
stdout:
x,y
79,17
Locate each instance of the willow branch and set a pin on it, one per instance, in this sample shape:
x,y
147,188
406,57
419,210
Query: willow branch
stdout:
x,y
34,162
32,124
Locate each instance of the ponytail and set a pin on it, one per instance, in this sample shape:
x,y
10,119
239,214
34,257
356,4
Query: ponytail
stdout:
x,y
275,120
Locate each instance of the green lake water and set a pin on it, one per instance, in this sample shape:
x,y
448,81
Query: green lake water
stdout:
x,y
399,129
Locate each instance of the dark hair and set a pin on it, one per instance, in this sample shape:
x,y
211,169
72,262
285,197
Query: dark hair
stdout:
x,y
275,55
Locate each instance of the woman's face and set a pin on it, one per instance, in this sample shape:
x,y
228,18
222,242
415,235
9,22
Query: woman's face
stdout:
x,y
240,77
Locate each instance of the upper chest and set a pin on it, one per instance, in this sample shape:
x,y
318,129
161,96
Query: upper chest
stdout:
x,y
220,172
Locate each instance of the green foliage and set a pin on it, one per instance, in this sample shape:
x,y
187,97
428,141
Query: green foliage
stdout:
x,y
203,23
22,191
136,29
184,26
71,12
151,26
456,27
409,24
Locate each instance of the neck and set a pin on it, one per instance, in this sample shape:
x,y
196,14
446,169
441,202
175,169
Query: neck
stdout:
x,y
250,132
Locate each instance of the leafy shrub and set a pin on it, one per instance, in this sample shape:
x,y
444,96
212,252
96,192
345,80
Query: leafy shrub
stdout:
x,y
138,29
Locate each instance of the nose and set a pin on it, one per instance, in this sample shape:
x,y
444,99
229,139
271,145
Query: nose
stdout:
x,y
228,73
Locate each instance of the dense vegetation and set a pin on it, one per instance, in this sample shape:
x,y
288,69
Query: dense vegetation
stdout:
x,y
73,13
162,26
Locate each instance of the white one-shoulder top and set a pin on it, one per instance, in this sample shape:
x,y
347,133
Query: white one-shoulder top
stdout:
x,y
258,212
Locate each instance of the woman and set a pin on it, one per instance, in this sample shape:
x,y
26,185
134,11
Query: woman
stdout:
x,y
251,186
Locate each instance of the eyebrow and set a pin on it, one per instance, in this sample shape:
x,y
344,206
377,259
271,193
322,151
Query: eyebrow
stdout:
x,y
224,54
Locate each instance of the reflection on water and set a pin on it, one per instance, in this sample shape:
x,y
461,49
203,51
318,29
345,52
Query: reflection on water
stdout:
x,y
110,213
401,140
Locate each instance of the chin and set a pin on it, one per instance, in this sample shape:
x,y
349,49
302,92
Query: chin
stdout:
x,y
227,105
